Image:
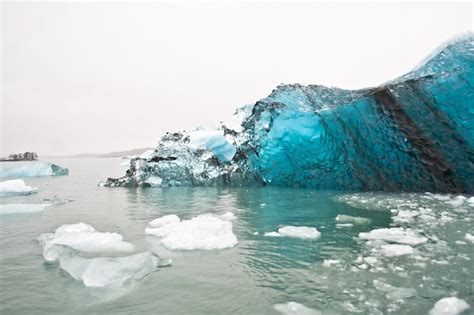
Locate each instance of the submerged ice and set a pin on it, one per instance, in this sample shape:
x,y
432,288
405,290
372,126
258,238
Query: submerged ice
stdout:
x,y
70,242
109,271
34,169
414,133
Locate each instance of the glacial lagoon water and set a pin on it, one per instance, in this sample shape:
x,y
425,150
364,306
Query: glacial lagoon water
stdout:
x,y
337,273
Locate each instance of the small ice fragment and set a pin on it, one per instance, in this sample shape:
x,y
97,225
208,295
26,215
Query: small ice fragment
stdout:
x,y
299,232
401,293
469,237
272,234
15,187
12,208
395,235
371,260
392,250
342,225
205,232
329,262
255,233
449,306
293,308
164,220
342,218
456,202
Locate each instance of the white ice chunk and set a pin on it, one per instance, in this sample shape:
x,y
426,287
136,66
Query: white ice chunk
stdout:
x,y
12,208
205,232
449,306
272,234
84,238
392,250
342,218
107,271
395,235
329,262
299,232
293,308
15,187
469,237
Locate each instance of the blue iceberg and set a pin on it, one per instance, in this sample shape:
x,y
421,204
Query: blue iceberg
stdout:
x,y
415,133
34,169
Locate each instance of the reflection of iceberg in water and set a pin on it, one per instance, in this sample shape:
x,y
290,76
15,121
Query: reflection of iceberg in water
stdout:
x,y
34,169
414,133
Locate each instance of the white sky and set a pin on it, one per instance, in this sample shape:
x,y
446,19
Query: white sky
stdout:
x,y
99,77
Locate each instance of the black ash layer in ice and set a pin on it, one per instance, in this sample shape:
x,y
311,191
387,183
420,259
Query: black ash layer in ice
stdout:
x,y
415,133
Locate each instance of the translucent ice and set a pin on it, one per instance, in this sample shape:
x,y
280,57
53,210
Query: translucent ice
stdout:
x,y
293,308
411,134
395,235
108,271
12,208
449,306
83,238
15,187
205,232
34,169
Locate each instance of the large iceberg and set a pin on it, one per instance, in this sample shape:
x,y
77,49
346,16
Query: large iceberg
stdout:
x,y
415,133
34,169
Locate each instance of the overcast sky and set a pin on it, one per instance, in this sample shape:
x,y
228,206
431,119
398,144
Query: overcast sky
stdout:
x,y
99,77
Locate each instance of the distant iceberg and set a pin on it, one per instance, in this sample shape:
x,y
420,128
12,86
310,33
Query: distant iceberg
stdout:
x,y
415,133
34,169
15,187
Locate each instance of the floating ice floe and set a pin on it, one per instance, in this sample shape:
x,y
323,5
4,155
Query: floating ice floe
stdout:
x,y
392,250
15,187
109,271
293,308
342,218
469,237
330,262
205,232
34,169
395,235
12,208
83,238
449,306
304,232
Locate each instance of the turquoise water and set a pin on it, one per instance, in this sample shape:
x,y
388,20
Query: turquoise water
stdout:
x,y
250,277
